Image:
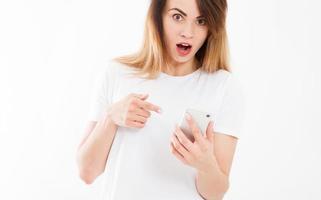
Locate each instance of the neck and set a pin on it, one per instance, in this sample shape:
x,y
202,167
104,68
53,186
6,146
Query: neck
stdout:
x,y
181,69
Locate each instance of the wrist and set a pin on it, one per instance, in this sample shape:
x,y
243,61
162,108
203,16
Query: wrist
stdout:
x,y
107,119
210,167
110,122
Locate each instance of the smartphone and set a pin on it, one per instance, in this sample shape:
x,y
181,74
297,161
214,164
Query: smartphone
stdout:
x,y
201,118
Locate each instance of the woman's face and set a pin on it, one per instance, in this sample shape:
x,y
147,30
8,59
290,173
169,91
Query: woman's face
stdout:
x,y
184,29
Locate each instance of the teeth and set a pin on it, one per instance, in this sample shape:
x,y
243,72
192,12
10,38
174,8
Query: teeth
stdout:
x,y
186,45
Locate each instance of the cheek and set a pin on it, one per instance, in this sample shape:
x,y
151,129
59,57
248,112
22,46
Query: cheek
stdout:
x,y
170,36
168,30
201,38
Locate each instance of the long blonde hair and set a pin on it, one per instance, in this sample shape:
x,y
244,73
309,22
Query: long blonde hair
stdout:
x,y
152,56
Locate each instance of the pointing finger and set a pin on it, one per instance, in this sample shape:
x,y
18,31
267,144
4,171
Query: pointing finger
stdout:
x,y
149,106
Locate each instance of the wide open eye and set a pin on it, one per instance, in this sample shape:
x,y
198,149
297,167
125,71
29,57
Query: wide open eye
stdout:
x,y
177,17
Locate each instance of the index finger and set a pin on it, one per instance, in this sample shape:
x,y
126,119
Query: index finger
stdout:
x,y
149,106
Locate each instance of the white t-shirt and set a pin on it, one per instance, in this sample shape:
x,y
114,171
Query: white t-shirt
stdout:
x,y
140,165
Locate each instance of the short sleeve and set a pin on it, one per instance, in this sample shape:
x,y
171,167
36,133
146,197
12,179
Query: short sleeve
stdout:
x,y
230,117
99,96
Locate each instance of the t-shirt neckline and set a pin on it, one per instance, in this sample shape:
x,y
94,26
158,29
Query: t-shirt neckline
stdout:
x,y
163,74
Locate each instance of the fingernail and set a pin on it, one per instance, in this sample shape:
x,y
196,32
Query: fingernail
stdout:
x,y
160,110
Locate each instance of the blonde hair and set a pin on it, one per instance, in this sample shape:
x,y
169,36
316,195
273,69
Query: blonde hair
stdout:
x,y
213,54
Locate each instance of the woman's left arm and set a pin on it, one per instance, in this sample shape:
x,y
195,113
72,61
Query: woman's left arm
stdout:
x,y
210,154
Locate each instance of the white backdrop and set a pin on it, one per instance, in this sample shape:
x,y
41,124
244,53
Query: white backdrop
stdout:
x,y
51,51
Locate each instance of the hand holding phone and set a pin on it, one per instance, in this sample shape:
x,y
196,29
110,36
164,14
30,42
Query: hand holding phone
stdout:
x,y
201,118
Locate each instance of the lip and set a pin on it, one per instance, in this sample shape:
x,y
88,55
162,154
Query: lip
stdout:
x,y
183,53
184,43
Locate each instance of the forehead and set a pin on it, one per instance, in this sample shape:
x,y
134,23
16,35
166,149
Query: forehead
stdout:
x,y
190,7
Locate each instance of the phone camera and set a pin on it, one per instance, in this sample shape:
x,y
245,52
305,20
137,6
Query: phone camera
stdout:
x,y
208,115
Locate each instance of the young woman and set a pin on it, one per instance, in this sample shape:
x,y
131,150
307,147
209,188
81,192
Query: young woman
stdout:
x,y
133,134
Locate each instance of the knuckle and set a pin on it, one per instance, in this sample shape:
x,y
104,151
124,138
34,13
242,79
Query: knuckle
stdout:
x,y
146,114
183,141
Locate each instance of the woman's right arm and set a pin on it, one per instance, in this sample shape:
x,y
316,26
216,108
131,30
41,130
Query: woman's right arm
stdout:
x,y
93,151
132,111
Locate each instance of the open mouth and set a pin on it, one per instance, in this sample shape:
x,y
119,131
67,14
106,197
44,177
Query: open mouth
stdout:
x,y
184,46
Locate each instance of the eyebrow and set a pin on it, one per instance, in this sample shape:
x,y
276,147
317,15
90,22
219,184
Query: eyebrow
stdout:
x,y
183,13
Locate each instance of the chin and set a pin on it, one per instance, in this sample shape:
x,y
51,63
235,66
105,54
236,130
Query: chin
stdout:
x,y
182,59
179,59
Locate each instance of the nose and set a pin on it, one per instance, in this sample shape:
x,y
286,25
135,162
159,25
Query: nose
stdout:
x,y
188,30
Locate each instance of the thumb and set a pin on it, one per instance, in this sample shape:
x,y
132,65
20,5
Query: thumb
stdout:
x,y
210,132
